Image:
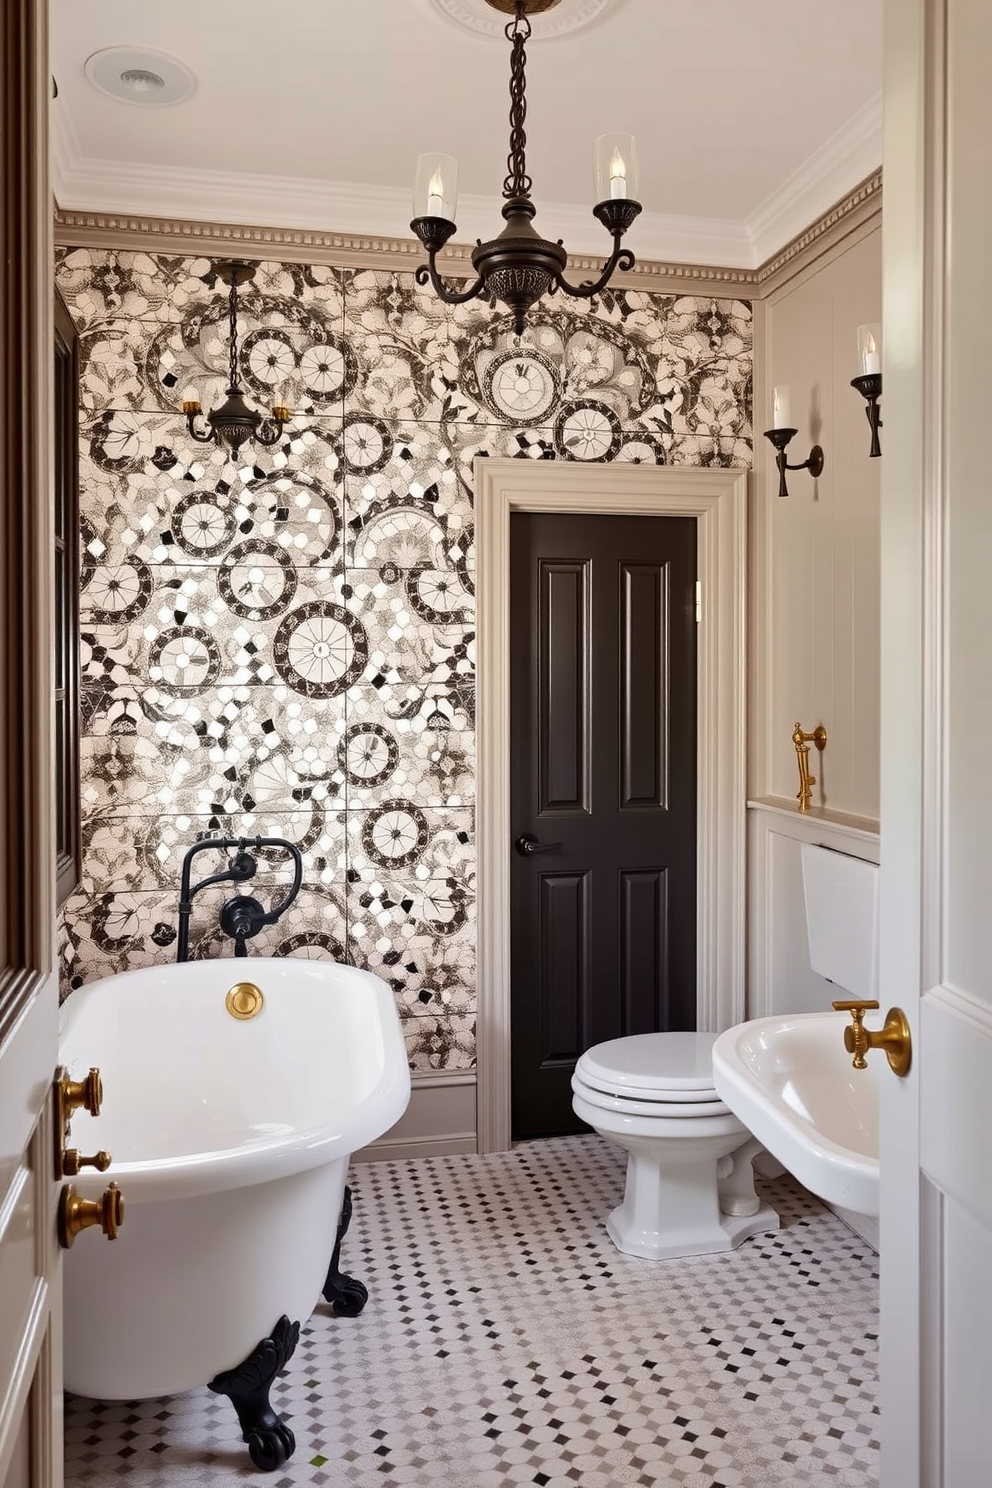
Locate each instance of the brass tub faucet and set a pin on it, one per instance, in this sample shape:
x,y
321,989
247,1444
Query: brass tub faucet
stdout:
x,y
802,742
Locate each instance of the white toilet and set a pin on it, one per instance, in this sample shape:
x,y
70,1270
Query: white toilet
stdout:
x,y
690,1185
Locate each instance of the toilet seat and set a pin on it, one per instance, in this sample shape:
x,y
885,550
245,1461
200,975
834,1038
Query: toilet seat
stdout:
x,y
661,1068
660,1110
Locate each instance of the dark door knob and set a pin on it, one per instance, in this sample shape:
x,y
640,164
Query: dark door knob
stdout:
x,y
527,845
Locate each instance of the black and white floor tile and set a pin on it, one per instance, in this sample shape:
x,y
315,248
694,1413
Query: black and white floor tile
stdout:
x,y
506,1342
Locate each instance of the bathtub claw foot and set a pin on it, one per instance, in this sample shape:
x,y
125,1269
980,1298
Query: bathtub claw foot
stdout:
x,y
346,1295
270,1441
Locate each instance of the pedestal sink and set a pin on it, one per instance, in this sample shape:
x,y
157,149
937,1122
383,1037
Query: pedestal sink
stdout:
x,y
791,1081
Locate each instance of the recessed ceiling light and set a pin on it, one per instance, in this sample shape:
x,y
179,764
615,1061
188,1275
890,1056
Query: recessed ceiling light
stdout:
x,y
140,76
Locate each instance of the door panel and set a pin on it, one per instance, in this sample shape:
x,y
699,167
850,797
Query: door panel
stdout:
x,y
30,1269
603,778
936,712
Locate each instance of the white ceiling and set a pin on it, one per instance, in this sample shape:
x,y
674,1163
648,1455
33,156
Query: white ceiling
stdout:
x,y
751,116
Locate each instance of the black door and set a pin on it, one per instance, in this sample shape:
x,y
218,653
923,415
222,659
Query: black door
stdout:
x,y
603,794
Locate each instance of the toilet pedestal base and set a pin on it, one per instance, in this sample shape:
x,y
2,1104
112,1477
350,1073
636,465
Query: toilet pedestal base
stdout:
x,y
673,1208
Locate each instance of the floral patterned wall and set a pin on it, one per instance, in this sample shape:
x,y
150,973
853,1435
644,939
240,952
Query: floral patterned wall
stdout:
x,y
284,646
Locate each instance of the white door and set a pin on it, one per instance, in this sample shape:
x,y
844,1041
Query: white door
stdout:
x,y
936,961
30,1268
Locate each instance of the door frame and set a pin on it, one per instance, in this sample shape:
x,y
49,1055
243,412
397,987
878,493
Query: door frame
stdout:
x,y
717,500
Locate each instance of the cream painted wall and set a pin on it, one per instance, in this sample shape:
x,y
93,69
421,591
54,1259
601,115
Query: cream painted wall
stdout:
x,y
815,653
814,613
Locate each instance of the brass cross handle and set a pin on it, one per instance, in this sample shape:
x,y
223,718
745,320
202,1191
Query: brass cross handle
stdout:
x,y
893,1037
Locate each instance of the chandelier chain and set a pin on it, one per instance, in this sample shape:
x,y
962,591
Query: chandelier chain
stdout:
x,y
517,183
233,323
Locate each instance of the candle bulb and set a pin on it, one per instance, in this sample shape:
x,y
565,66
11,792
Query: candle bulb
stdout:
x,y
191,397
780,408
618,177
869,350
435,196
873,362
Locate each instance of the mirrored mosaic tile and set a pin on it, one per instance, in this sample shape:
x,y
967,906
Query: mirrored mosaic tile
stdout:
x,y
198,634
112,931
235,750
434,1042
290,350
137,853
428,972
421,747
410,505
160,504
419,624
101,284
404,841
631,357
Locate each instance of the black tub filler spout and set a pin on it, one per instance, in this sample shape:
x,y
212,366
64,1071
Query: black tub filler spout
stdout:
x,y
242,916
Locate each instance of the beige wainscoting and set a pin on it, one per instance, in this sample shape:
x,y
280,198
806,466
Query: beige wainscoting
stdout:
x,y
439,1120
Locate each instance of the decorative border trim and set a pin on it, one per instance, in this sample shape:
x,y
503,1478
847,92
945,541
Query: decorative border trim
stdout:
x,y
717,500
866,193
85,229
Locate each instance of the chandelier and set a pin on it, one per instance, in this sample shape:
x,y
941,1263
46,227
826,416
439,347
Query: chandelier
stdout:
x,y
234,422
519,266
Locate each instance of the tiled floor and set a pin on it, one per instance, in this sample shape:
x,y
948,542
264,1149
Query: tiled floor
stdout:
x,y
506,1342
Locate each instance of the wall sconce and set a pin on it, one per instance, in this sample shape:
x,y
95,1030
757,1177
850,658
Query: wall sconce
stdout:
x,y
781,434
869,383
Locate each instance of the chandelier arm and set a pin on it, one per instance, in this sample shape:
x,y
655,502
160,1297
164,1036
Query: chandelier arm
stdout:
x,y
428,271
269,432
201,438
620,258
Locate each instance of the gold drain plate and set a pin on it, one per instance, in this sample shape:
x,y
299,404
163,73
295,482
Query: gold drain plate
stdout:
x,y
244,1001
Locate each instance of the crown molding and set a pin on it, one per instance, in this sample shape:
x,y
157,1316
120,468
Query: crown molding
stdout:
x,y
853,211
207,238
853,153
160,234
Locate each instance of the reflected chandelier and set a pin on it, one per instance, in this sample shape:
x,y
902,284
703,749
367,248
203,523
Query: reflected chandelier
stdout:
x,y
234,422
519,266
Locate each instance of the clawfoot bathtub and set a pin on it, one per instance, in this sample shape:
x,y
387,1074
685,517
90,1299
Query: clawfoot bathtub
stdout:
x,y
230,1126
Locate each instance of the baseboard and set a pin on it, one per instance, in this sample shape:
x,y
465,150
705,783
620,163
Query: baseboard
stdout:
x,y
439,1121
863,1225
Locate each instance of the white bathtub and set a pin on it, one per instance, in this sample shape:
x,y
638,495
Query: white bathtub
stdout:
x,y
230,1142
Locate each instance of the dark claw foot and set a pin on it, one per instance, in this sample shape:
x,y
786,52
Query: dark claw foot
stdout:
x,y
346,1295
270,1448
348,1298
270,1441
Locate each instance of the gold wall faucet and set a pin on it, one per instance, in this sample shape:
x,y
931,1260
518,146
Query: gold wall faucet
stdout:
x,y
802,742
893,1037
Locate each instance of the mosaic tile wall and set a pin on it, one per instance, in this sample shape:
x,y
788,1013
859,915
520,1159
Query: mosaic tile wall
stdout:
x,y
285,647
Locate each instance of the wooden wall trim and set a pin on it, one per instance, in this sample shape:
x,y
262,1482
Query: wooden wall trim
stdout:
x,y
26,516
93,229
716,499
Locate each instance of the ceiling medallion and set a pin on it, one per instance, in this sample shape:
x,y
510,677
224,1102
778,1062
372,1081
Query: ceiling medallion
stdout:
x,y
519,266
551,18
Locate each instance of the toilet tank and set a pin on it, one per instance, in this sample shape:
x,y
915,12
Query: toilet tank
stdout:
x,y
842,920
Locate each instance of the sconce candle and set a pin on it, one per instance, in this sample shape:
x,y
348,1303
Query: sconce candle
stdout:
x,y
869,349
780,435
780,408
869,382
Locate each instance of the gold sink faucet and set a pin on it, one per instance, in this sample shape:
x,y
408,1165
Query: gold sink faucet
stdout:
x,y
802,742
893,1037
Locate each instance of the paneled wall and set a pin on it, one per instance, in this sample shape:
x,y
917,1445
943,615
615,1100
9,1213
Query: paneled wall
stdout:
x,y
814,576
815,570
286,646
